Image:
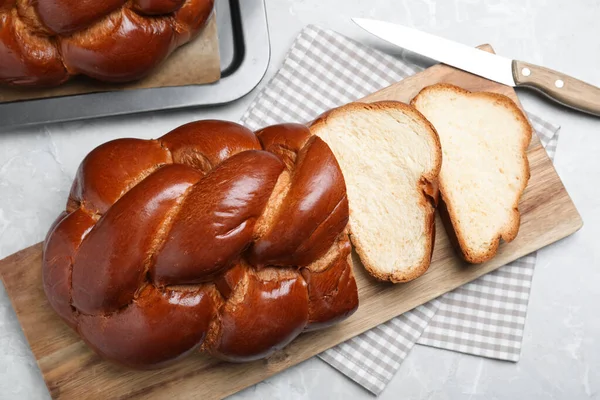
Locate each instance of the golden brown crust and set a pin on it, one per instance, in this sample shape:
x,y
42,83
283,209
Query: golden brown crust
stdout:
x,y
428,185
43,43
159,252
447,213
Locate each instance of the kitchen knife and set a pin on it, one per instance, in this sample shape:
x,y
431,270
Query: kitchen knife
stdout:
x,y
559,87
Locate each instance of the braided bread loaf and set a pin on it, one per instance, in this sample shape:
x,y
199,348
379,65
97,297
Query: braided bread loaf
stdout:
x,y
45,42
210,237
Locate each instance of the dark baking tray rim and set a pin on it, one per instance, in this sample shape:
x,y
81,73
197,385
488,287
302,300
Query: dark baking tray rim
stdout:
x,y
247,67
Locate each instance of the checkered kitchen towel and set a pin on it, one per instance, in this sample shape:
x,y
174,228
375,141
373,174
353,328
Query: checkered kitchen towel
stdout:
x,y
486,317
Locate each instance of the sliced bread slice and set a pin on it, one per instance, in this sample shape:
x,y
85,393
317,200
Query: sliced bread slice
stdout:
x,y
484,140
390,156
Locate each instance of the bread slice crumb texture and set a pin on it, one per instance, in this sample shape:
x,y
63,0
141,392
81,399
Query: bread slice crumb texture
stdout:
x,y
386,151
484,139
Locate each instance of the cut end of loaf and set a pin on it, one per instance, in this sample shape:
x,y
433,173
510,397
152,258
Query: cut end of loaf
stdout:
x,y
484,140
390,156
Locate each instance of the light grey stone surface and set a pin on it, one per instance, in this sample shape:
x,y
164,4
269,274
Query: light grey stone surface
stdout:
x,y
561,353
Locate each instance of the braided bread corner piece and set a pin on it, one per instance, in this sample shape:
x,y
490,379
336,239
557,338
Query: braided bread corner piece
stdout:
x,y
122,47
332,289
216,221
27,59
117,264
111,169
60,246
105,281
44,42
191,18
265,310
205,144
312,215
157,329
285,140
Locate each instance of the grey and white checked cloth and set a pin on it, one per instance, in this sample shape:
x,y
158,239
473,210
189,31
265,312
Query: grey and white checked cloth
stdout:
x,y
486,317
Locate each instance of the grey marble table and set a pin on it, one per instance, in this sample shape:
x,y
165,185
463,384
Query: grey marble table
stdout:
x,y
561,353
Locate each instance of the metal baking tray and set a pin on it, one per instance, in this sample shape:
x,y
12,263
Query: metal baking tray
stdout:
x,y
245,53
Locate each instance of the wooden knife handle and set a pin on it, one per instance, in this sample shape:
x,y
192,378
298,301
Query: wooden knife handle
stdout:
x,y
560,87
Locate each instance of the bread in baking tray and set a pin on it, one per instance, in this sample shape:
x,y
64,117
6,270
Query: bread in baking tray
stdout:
x,y
484,140
211,237
390,156
45,42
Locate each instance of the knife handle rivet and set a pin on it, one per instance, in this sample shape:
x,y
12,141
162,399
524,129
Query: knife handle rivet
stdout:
x,y
526,71
559,83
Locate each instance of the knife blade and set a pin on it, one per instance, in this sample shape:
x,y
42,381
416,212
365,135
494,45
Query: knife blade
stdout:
x,y
559,87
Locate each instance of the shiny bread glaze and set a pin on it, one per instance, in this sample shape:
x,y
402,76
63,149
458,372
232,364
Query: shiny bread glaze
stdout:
x,y
210,238
43,43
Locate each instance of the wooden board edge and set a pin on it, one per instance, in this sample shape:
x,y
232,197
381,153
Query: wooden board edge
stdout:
x,y
299,347
16,257
4,263
281,362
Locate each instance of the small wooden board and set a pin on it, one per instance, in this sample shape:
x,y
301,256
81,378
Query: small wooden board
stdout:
x,y
73,371
195,63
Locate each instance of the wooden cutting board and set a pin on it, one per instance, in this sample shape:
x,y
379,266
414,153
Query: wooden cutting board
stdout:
x,y
72,371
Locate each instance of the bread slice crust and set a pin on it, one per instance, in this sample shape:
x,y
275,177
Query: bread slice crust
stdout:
x,y
427,187
447,210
